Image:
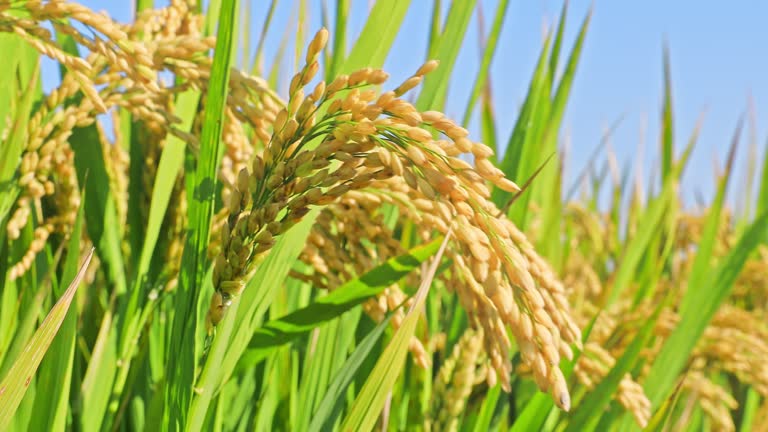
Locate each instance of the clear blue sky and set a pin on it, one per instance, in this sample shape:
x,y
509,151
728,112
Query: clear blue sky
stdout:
x,y
717,55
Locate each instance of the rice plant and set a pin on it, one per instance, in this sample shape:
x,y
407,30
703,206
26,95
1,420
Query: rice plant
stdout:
x,y
185,246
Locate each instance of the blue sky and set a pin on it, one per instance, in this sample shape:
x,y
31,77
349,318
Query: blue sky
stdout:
x,y
716,56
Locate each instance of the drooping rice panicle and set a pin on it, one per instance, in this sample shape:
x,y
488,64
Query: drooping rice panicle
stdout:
x,y
385,146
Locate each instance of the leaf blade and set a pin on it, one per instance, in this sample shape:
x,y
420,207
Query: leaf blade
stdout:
x,y
15,383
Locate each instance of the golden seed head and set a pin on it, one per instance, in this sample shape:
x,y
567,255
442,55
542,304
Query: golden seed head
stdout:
x,y
318,44
319,90
419,135
280,120
378,77
296,100
359,76
339,83
407,85
427,67
310,72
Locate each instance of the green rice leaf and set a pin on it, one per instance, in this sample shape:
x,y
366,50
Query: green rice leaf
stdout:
x,y
201,196
543,138
298,34
96,387
246,36
435,29
566,82
15,383
487,409
144,4
135,309
667,126
9,91
135,134
446,50
52,405
270,395
339,38
554,56
375,40
372,397
751,406
257,56
535,413
762,199
30,298
332,403
212,16
648,275
103,229
489,50
706,244
511,160
100,210
340,300
660,420
334,340
169,167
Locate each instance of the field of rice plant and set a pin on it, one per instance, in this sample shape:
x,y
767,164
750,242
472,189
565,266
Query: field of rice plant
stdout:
x,y
186,244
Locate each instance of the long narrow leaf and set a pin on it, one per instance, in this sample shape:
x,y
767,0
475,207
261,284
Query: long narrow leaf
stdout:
x,y
373,44
489,50
15,383
340,300
52,405
667,127
706,244
339,37
485,416
330,406
447,50
372,397
663,416
181,367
